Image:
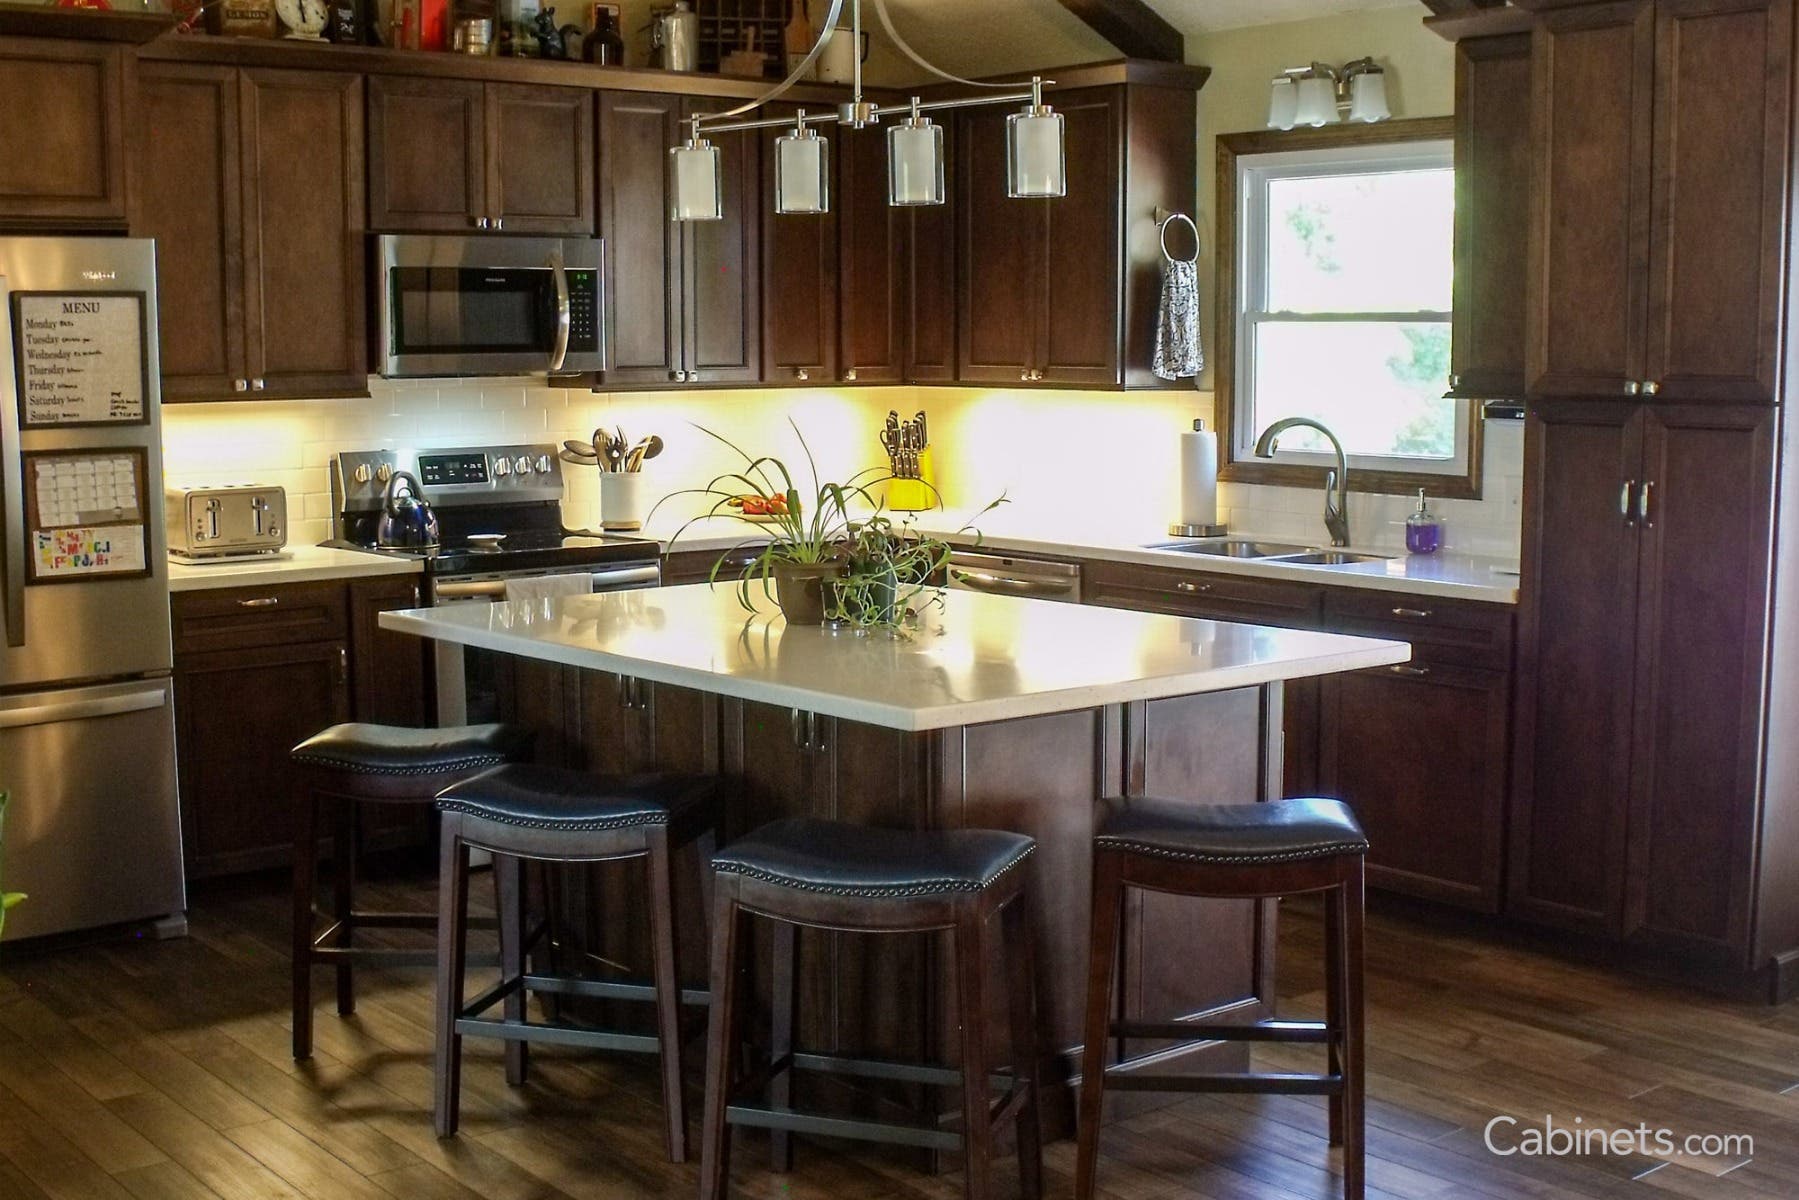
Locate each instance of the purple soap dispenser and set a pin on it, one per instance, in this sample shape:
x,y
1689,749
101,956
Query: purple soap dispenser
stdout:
x,y
1423,533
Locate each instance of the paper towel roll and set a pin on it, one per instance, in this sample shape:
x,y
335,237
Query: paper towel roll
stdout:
x,y
1199,476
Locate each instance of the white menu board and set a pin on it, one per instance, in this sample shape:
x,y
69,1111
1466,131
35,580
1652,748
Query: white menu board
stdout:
x,y
81,358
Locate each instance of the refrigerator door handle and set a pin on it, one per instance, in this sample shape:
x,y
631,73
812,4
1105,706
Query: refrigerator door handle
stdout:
x,y
81,710
12,486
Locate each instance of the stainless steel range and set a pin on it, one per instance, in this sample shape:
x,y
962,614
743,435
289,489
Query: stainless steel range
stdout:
x,y
499,514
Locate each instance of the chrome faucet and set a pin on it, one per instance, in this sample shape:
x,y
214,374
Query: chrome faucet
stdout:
x,y
1336,481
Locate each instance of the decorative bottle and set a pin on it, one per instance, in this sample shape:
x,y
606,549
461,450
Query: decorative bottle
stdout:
x,y
1423,532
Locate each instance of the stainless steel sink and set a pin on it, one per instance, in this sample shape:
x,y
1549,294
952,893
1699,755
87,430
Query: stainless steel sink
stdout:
x,y
1229,548
1331,558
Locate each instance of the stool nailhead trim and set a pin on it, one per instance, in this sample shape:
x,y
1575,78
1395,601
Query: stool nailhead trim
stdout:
x,y
1152,850
927,887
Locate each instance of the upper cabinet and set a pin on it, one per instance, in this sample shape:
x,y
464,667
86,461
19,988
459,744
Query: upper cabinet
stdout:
x,y
458,156
260,249
1492,216
62,130
1656,240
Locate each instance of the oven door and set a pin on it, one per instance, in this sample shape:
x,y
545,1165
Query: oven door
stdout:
x,y
468,678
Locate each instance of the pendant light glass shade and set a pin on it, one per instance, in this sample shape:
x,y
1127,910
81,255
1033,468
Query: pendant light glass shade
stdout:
x,y
802,173
1317,101
915,163
695,183
1368,97
1036,166
1283,103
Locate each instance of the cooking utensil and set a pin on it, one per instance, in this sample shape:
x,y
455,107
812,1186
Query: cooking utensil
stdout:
x,y
406,522
580,450
655,448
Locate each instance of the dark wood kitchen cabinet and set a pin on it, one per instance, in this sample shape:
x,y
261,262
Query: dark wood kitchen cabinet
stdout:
x,y
1661,144
390,672
683,299
1492,216
800,273
460,156
1637,799
1063,292
260,251
62,122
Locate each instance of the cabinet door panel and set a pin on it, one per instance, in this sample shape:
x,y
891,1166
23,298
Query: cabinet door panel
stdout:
x,y
929,276
185,195
871,262
643,247
722,272
1000,253
1081,308
1418,751
1723,76
427,155
799,276
540,159
1575,637
1492,215
62,123
1593,93
390,682
305,325
1700,648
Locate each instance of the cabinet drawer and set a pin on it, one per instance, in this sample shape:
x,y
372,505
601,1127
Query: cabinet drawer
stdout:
x,y
1448,631
239,618
1199,594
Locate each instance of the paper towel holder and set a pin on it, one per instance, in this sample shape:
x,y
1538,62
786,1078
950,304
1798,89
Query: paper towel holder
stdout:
x,y
1197,531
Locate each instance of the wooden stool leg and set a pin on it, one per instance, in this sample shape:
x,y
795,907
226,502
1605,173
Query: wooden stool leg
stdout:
x,y
1354,1118
721,1044
452,952
668,992
971,1013
550,949
1333,1001
510,908
306,864
785,1001
1021,970
345,847
1102,967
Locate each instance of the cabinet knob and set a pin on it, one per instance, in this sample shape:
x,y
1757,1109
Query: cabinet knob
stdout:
x,y
801,374
849,376
1024,377
481,222
1036,376
1632,387
1455,381
240,385
1651,387
499,223
256,385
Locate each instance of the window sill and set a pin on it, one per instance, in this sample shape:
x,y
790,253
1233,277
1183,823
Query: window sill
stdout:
x,y
1386,483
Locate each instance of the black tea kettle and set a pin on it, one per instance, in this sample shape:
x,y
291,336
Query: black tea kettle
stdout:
x,y
407,522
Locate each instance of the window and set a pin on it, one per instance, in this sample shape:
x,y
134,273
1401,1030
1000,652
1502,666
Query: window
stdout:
x,y
1341,313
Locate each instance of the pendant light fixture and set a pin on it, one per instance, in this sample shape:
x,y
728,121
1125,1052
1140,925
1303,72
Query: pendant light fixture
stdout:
x,y
802,170
1036,154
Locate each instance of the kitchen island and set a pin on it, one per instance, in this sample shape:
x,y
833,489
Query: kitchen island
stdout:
x,y
998,712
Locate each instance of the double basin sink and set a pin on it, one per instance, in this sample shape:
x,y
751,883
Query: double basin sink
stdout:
x,y
1299,556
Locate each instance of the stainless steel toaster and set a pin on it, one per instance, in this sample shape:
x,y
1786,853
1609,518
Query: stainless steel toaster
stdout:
x,y
231,518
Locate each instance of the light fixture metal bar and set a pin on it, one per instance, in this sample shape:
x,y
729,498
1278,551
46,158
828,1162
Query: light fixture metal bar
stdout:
x,y
716,123
797,73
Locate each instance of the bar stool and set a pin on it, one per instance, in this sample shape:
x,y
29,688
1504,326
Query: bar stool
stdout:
x,y
351,765
854,879
1248,851
546,814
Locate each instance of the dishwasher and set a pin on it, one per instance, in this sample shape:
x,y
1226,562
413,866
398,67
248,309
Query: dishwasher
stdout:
x,y
1036,578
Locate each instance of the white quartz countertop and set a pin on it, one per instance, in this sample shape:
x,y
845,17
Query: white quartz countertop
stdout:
x,y
1018,530
300,564
980,658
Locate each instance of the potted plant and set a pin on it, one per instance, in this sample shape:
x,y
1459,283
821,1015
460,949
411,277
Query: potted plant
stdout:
x,y
886,568
7,899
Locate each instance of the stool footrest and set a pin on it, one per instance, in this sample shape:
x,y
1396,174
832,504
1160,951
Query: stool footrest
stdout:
x,y
791,1121
1120,1078
897,1072
380,957
604,989
561,1035
1259,1031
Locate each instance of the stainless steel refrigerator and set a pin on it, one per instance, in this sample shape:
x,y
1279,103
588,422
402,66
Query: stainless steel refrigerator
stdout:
x,y
87,716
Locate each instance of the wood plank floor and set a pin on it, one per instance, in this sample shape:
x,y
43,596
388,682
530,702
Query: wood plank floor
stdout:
x,y
161,1071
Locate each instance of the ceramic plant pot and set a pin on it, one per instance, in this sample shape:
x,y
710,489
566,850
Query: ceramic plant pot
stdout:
x,y
799,589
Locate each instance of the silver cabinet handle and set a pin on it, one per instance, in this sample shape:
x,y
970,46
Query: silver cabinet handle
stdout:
x,y
482,223
260,602
81,710
240,385
1036,376
981,581
559,352
1651,387
1414,614
849,376
343,664
1632,387
1455,381
499,222
1626,494
1411,671
798,720
1644,498
1193,588
1024,376
256,385
801,374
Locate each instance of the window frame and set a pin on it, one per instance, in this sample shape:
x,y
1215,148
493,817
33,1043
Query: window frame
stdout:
x,y
1238,277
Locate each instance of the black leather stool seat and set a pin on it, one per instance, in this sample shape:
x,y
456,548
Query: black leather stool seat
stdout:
x,y
854,860
364,749
1246,834
551,798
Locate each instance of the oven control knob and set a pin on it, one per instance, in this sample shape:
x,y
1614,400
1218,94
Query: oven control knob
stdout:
x,y
383,473
502,467
362,474
543,464
522,464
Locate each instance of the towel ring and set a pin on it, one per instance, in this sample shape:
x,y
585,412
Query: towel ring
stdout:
x,y
1162,232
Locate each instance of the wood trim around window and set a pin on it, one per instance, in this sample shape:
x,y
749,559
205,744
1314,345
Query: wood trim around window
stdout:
x,y
1231,146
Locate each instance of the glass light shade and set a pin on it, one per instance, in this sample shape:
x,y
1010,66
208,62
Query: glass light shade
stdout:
x,y
1035,163
802,173
1368,97
1283,103
1317,101
915,163
695,183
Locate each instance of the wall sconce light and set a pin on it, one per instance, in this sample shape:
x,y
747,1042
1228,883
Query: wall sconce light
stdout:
x,y
1320,94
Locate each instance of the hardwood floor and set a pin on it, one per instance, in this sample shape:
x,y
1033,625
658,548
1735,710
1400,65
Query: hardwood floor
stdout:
x,y
161,1071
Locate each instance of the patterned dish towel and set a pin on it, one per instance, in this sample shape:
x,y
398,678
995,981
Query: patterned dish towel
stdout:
x,y
1178,353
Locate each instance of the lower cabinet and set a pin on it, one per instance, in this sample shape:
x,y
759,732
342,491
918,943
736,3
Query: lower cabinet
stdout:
x,y
258,670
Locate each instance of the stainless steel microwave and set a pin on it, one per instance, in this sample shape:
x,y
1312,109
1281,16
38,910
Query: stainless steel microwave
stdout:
x,y
490,306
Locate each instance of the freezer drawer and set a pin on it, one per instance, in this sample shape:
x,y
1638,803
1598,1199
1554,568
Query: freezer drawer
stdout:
x,y
93,832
